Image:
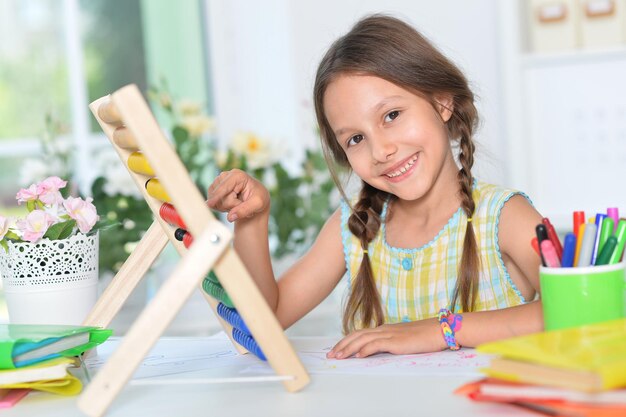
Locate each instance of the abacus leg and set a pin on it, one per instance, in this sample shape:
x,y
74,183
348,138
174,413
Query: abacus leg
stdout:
x,y
152,322
125,281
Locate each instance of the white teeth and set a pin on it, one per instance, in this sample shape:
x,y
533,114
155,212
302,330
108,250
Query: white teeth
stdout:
x,y
402,170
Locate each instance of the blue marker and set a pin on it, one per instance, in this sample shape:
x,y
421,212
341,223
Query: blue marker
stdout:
x,y
569,250
594,253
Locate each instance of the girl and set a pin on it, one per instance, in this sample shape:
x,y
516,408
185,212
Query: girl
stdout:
x,y
435,258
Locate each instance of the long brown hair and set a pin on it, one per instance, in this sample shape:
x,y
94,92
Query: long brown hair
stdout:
x,y
391,49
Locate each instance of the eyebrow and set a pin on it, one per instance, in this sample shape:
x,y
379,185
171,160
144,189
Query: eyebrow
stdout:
x,y
375,109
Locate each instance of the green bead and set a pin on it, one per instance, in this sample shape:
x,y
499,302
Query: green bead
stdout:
x,y
216,291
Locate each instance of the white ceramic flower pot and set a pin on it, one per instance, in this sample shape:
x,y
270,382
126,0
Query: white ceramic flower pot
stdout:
x,y
51,281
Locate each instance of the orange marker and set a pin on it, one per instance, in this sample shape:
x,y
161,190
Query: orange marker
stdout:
x,y
534,242
579,241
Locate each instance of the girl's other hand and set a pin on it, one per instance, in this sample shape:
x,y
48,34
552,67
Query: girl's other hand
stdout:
x,y
400,339
238,194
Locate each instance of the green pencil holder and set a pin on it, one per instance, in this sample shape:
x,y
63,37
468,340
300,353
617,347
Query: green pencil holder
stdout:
x,y
574,297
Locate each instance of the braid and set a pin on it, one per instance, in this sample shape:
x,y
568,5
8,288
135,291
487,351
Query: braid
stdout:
x,y
467,281
364,304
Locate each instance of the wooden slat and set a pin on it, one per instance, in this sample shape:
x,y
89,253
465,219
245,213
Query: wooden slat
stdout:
x,y
127,278
153,321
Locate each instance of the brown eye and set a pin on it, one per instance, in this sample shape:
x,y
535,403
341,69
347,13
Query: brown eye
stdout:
x,y
354,140
392,115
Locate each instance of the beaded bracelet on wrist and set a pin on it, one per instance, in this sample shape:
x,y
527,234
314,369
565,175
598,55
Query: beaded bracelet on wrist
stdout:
x,y
450,323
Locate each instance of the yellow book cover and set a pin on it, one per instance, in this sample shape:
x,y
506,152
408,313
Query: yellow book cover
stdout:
x,y
597,350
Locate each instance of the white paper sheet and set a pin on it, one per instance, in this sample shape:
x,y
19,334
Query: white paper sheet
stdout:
x,y
201,357
175,356
312,352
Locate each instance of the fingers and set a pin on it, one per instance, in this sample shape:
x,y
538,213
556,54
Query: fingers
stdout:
x,y
361,344
238,194
219,192
245,209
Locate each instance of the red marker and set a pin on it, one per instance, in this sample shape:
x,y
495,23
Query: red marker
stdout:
x,y
579,218
554,238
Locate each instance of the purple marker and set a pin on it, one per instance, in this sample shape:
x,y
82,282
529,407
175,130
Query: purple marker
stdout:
x,y
613,212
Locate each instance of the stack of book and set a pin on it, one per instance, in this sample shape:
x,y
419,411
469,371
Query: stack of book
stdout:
x,y
572,372
37,357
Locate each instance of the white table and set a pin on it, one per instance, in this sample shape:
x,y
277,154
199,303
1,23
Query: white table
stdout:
x,y
328,394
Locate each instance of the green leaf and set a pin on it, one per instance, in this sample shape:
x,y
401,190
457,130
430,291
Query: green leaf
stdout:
x,y
180,135
102,225
12,235
60,230
30,205
4,244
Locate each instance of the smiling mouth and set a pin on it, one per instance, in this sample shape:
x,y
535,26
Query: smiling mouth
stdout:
x,y
403,169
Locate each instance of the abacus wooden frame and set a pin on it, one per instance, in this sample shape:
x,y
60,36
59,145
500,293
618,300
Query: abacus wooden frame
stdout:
x,y
126,114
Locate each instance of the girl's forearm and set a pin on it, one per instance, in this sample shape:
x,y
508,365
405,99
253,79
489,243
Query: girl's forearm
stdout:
x,y
485,326
252,245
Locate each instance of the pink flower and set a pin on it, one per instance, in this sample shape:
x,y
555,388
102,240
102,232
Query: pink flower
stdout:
x,y
4,226
82,211
48,190
35,225
27,194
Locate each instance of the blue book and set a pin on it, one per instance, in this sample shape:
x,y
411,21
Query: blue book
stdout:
x,y
27,344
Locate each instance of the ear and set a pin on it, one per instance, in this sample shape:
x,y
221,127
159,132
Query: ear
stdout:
x,y
445,106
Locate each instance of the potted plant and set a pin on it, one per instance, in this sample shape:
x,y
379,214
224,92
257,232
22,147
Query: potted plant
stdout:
x,y
49,257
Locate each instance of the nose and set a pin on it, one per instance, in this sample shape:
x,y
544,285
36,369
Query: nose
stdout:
x,y
382,148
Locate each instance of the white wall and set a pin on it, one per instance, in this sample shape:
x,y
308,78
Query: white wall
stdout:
x,y
264,56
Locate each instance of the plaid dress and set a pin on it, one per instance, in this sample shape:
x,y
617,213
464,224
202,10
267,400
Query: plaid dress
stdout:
x,y
415,283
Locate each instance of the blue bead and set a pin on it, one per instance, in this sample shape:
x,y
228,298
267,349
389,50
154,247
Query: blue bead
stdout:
x,y
407,264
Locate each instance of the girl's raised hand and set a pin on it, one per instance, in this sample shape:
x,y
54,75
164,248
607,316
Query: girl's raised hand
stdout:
x,y
399,339
238,194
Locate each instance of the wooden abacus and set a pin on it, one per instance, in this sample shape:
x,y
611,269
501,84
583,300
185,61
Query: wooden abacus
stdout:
x,y
175,201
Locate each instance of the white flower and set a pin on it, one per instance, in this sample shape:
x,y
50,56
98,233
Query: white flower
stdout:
x,y
119,182
197,124
56,211
117,179
189,107
256,150
32,170
165,100
62,146
221,156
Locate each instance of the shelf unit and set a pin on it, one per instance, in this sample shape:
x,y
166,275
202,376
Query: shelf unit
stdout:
x,y
565,122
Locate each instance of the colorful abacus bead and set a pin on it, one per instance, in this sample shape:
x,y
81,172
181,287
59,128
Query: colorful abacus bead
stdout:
x,y
169,214
156,190
216,291
248,342
138,163
232,317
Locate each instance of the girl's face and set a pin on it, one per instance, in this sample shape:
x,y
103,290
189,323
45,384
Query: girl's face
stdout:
x,y
394,139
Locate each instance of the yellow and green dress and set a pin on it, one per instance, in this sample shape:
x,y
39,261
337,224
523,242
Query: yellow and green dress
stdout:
x,y
415,283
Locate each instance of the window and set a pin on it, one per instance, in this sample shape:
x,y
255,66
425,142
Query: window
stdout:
x,y
57,56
